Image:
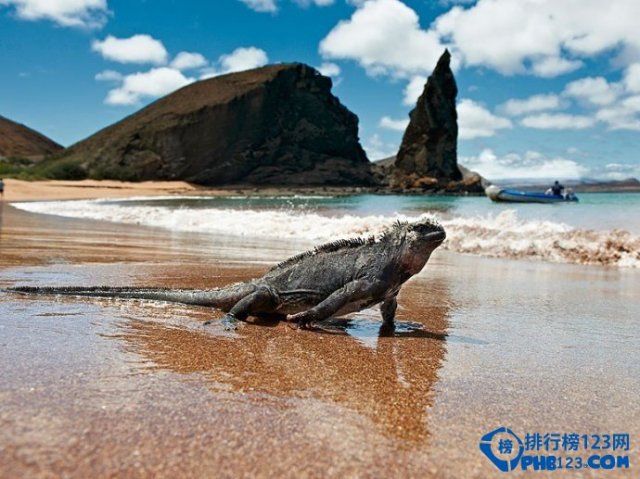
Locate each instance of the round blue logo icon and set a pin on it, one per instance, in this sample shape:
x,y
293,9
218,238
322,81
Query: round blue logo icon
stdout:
x,y
503,448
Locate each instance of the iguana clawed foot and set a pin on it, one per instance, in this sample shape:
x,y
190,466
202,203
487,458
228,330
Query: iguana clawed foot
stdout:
x,y
387,329
229,322
303,319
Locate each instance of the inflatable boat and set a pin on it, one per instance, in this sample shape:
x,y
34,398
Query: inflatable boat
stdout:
x,y
515,196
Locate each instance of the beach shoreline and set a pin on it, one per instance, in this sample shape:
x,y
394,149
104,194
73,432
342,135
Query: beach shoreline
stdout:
x,y
50,190
585,233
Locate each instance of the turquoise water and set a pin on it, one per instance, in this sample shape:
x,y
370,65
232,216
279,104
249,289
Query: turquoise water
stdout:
x,y
602,229
597,211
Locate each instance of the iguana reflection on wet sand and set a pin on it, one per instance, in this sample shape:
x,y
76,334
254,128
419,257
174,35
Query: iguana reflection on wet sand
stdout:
x,y
334,279
388,381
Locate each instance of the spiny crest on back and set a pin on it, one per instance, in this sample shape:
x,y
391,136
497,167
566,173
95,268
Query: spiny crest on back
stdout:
x,y
395,228
337,245
398,228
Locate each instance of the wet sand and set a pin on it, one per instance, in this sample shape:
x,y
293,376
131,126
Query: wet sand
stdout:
x,y
105,388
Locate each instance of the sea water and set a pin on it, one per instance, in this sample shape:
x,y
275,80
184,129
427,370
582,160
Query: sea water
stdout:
x,y
603,228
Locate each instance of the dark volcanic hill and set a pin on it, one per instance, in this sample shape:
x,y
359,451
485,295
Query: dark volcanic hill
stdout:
x,y
276,125
17,140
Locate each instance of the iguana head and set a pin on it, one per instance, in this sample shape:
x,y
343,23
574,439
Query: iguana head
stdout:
x,y
420,238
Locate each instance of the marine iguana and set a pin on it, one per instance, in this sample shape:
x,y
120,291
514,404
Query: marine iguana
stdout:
x,y
334,279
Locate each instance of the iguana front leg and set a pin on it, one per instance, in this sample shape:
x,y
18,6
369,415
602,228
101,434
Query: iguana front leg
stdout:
x,y
388,310
353,291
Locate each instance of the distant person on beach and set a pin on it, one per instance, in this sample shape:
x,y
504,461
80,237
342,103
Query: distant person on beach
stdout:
x,y
557,189
1,188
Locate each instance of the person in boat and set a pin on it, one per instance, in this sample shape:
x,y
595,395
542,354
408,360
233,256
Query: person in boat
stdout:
x,y
557,189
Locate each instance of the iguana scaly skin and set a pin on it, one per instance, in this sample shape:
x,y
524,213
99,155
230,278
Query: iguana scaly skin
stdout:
x,y
334,279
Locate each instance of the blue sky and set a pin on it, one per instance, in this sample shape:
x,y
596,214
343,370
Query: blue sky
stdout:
x,y
547,88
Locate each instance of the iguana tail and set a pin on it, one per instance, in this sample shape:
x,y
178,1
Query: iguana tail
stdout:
x,y
221,298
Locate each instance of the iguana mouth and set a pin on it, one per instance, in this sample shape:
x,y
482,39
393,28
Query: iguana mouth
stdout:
x,y
436,236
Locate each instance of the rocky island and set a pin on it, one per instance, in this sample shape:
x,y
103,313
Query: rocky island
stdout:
x,y
275,125
427,159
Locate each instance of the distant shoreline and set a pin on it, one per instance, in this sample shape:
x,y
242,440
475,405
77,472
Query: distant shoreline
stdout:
x,y
20,190
47,190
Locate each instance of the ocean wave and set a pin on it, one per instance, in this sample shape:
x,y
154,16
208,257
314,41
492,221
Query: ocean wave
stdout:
x,y
501,236
507,236
151,199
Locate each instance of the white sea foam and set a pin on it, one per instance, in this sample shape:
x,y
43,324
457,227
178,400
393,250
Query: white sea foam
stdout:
x,y
503,235
152,199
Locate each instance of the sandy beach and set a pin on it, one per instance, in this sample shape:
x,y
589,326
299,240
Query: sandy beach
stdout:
x,y
107,388
18,190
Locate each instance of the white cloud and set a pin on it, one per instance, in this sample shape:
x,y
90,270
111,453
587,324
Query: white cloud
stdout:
x,y
622,171
384,37
558,121
632,78
68,13
516,106
243,59
188,61
447,3
632,102
623,116
391,124
161,81
209,72
261,5
377,149
135,49
530,165
542,37
317,3
615,104
413,90
108,75
549,67
271,6
594,90
153,83
475,121
330,69
545,38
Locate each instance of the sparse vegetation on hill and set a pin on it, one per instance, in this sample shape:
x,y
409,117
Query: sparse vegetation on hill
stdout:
x,y
20,141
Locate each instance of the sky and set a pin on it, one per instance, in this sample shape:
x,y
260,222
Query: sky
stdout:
x,y
547,88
